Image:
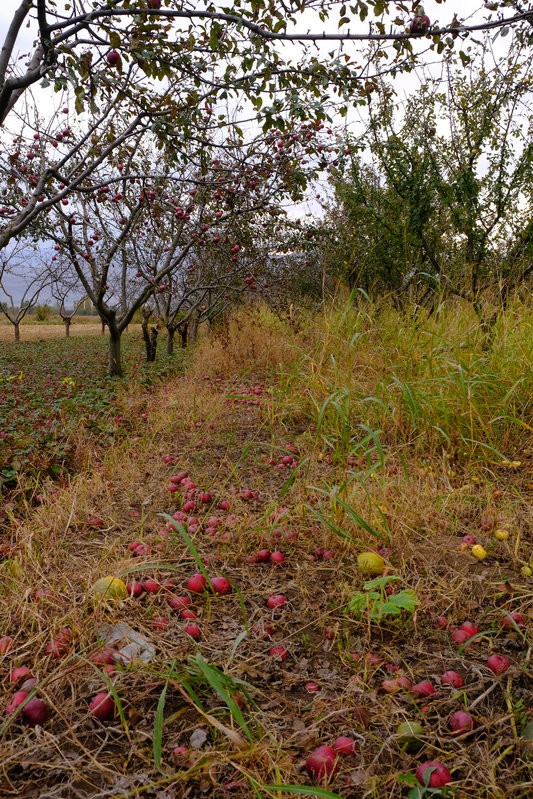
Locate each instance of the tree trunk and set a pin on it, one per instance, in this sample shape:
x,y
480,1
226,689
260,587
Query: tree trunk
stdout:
x,y
146,314
67,326
153,344
170,339
184,333
193,329
115,365
17,331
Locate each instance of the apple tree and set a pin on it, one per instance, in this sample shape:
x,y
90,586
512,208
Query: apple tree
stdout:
x,y
168,61
20,267
99,80
142,225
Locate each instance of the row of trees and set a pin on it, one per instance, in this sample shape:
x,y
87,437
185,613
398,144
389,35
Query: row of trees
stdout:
x,y
153,144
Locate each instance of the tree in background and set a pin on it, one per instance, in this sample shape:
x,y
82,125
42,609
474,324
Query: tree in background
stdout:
x,y
65,289
155,229
445,204
20,264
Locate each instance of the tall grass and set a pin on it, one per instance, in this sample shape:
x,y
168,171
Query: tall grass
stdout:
x,y
375,378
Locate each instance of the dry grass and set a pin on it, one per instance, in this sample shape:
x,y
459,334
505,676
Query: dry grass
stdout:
x,y
43,331
252,395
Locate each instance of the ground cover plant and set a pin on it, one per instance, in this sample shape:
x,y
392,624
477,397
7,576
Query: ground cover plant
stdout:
x,y
56,404
306,571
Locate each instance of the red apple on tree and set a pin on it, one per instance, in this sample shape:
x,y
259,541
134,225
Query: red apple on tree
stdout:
x,y
113,57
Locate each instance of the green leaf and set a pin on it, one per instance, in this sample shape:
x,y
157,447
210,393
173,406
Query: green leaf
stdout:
x,y
406,600
380,582
303,790
157,742
189,543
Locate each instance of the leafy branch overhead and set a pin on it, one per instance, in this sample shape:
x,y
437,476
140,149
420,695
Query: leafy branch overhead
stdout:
x,y
240,44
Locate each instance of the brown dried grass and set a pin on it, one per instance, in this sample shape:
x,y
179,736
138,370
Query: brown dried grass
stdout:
x,y
224,440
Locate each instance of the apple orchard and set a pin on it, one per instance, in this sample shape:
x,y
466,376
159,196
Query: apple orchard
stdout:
x,y
170,129
294,558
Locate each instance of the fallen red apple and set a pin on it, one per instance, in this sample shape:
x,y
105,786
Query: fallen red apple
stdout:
x,y
262,630
433,774
424,688
345,745
17,699
102,706
461,721
135,588
35,712
141,550
151,586
193,630
470,628
460,637
453,679
512,620
399,683
263,556
276,601
20,673
278,652
321,763
179,602
179,477
220,585
104,656
196,583
56,649
180,753
96,521
277,558
498,664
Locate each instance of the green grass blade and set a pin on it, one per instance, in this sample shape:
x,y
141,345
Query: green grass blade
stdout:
x,y
303,790
157,741
359,519
221,684
189,543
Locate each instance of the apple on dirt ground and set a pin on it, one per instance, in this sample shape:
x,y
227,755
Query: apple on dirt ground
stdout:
x,y
321,763
433,774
